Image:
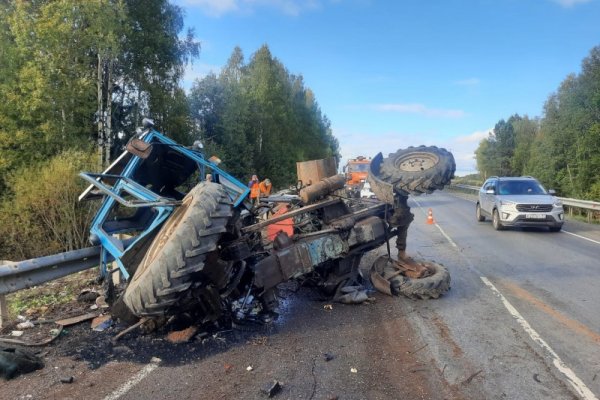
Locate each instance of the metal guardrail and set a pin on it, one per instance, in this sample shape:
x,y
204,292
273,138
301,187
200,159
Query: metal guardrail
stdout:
x,y
574,203
25,274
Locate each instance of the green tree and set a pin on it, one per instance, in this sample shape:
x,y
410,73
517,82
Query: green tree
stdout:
x,y
260,119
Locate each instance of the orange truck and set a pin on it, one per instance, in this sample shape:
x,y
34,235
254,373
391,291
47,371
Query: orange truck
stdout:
x,y
356,171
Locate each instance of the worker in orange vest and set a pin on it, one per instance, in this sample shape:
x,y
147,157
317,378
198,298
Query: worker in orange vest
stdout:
x,y
254,187
265,188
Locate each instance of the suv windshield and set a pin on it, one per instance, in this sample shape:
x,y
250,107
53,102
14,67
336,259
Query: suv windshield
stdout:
x,y
520,187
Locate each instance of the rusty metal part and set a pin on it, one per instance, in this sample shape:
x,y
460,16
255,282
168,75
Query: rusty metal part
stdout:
x,y
311,172
412,269
369,230
417,161
384,270
139,148
318,190
298,259
298,211
380,283
77,319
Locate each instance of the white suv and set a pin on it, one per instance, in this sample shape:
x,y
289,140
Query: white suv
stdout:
x,y
519,201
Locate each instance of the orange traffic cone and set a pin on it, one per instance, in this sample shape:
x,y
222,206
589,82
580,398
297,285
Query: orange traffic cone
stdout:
x,y
430,217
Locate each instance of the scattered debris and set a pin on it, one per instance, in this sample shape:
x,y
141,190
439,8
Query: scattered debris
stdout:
x,y
328,307
182,336
227,367
132,327
93,307
328,356
77,319
353,370
471,377
16,333
101,323
352,295
67,379
87,296
249,368
536,377
54,332
14,362
101,302
272,388
121,350
40,343
25,325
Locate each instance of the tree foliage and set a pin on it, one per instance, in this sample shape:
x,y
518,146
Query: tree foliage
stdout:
x,y
260,118
562,148
45,217
78,75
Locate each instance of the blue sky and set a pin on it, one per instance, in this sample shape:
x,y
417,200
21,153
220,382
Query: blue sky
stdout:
x,y
391,74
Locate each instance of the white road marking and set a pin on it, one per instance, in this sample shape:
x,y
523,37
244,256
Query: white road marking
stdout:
x,y
439,227
137,378
577,383
573,379
581,237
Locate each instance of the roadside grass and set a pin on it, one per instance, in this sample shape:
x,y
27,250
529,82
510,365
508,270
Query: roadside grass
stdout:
x,y
41,301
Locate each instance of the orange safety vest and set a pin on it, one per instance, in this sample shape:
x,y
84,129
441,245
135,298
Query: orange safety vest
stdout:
x,y
265,189
254,190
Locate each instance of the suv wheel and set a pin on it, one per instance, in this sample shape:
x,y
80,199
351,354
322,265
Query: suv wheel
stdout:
x,y
496,221
480,217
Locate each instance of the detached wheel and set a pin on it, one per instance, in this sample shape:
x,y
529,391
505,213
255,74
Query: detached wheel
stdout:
x,y
418,170
496,221
183,258
430,287
480,217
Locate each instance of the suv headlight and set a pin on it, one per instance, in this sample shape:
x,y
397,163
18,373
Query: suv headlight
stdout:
x,y
557,203
507,205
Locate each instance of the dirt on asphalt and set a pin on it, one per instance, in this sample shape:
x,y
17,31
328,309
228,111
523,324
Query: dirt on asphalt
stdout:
x,y
314,351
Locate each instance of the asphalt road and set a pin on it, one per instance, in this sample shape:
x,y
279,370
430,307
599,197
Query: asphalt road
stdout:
x,y
520,322
524,304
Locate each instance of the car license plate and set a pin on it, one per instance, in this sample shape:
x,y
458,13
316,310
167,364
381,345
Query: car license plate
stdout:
x,y
535,216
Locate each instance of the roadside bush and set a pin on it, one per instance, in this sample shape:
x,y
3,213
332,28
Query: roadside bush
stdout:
x,y
42,215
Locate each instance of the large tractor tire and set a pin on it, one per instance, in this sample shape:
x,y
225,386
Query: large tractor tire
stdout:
x,y
417,170
176,262
430,287
385,277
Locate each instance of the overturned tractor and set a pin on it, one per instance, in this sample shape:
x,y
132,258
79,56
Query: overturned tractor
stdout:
x,y
185,245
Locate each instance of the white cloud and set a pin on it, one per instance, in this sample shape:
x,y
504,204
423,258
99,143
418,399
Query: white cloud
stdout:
x,y
468,82
570,3
213,8
414,108
217,8
463,148
474,137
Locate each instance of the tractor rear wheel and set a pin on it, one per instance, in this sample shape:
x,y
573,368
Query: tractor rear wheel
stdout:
x,y
183,258
417,170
